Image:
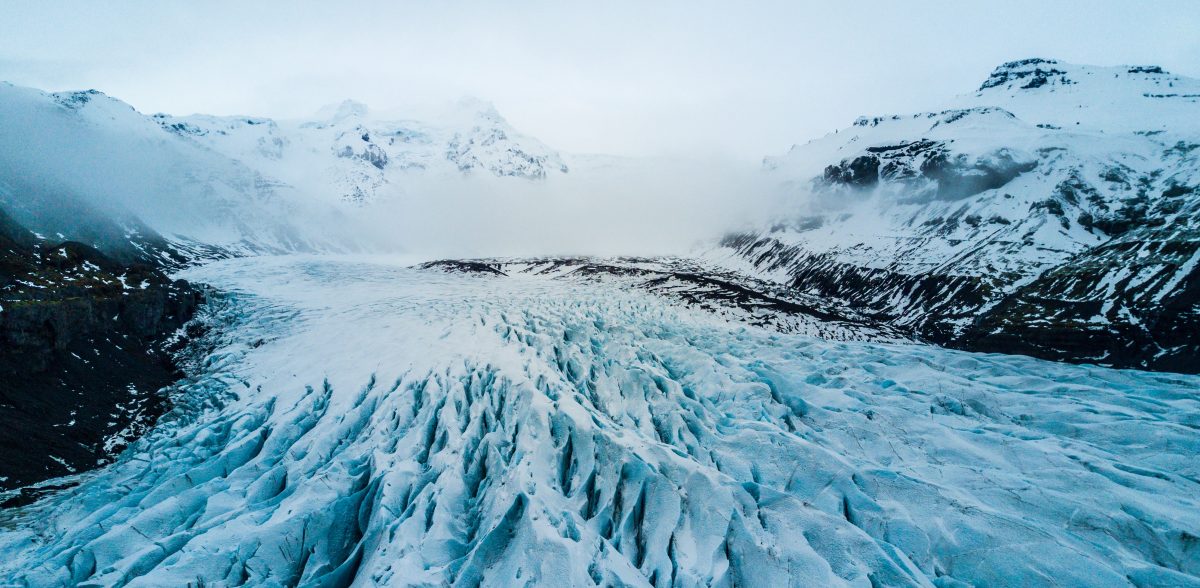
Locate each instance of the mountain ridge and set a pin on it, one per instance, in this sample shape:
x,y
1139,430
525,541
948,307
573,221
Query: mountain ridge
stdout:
x,y
1007,222
1049,211
372,154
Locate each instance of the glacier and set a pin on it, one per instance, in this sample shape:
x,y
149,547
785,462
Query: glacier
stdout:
x,y
359,421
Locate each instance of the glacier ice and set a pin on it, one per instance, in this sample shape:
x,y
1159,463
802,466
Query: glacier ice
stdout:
x,y
358,422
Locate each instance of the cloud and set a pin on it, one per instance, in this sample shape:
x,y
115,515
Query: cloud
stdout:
x,y
697,78
614,207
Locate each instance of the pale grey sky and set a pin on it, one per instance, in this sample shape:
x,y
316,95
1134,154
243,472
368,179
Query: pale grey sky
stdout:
x,y
745,79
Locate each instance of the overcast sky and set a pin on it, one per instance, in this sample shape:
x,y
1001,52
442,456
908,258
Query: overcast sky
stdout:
x,y
627,77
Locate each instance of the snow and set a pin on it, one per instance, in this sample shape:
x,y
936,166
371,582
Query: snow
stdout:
x,y
173,185
349,152
361,422
1085,143
358,421
345,180
62,462
1114,99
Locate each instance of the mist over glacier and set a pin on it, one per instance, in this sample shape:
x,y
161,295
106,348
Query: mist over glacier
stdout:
x,y
602,207
96,151
78,158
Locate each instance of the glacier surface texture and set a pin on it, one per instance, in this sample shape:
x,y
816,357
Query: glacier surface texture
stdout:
x,y
358,422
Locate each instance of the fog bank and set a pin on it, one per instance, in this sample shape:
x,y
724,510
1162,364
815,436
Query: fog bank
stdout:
x,y
615,207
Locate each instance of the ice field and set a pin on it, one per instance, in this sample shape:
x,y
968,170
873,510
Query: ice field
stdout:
x,y
359,422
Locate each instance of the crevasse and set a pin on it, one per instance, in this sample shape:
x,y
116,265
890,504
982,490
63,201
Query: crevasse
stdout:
x,y
362,423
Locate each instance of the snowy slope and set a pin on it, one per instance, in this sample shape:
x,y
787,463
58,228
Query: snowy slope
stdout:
x,y
88,151
348,153
360,423
74,161
1057,205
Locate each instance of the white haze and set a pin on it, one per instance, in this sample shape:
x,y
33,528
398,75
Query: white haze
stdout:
x,y
716,86
64,171
655,207
743,79
111,159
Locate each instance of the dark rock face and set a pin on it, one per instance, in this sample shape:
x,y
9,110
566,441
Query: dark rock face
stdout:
x,y
958,177
1034,73
371,153
1146,69
929,168
860,172
80,360
464,267
934,302
1133,302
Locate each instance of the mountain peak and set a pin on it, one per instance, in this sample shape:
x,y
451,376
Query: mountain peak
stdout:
x,y
342,110
78,99
1035,72
473,109
1099,98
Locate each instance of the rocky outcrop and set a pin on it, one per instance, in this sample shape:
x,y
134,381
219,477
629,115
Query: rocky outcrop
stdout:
x,y
1132,302
1112,305
1029,74
928,170
81,355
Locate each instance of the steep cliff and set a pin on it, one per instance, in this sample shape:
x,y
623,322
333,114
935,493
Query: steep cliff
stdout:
x,y
81,357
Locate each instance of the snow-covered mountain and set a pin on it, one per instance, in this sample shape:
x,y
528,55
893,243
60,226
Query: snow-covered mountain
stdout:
x,y
71,162
350,154
1055,211
74,161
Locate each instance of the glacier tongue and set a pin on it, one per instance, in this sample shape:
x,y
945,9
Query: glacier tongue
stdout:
x,y
371,424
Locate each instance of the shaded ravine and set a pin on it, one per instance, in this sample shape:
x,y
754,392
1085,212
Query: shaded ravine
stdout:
x,y
369,424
